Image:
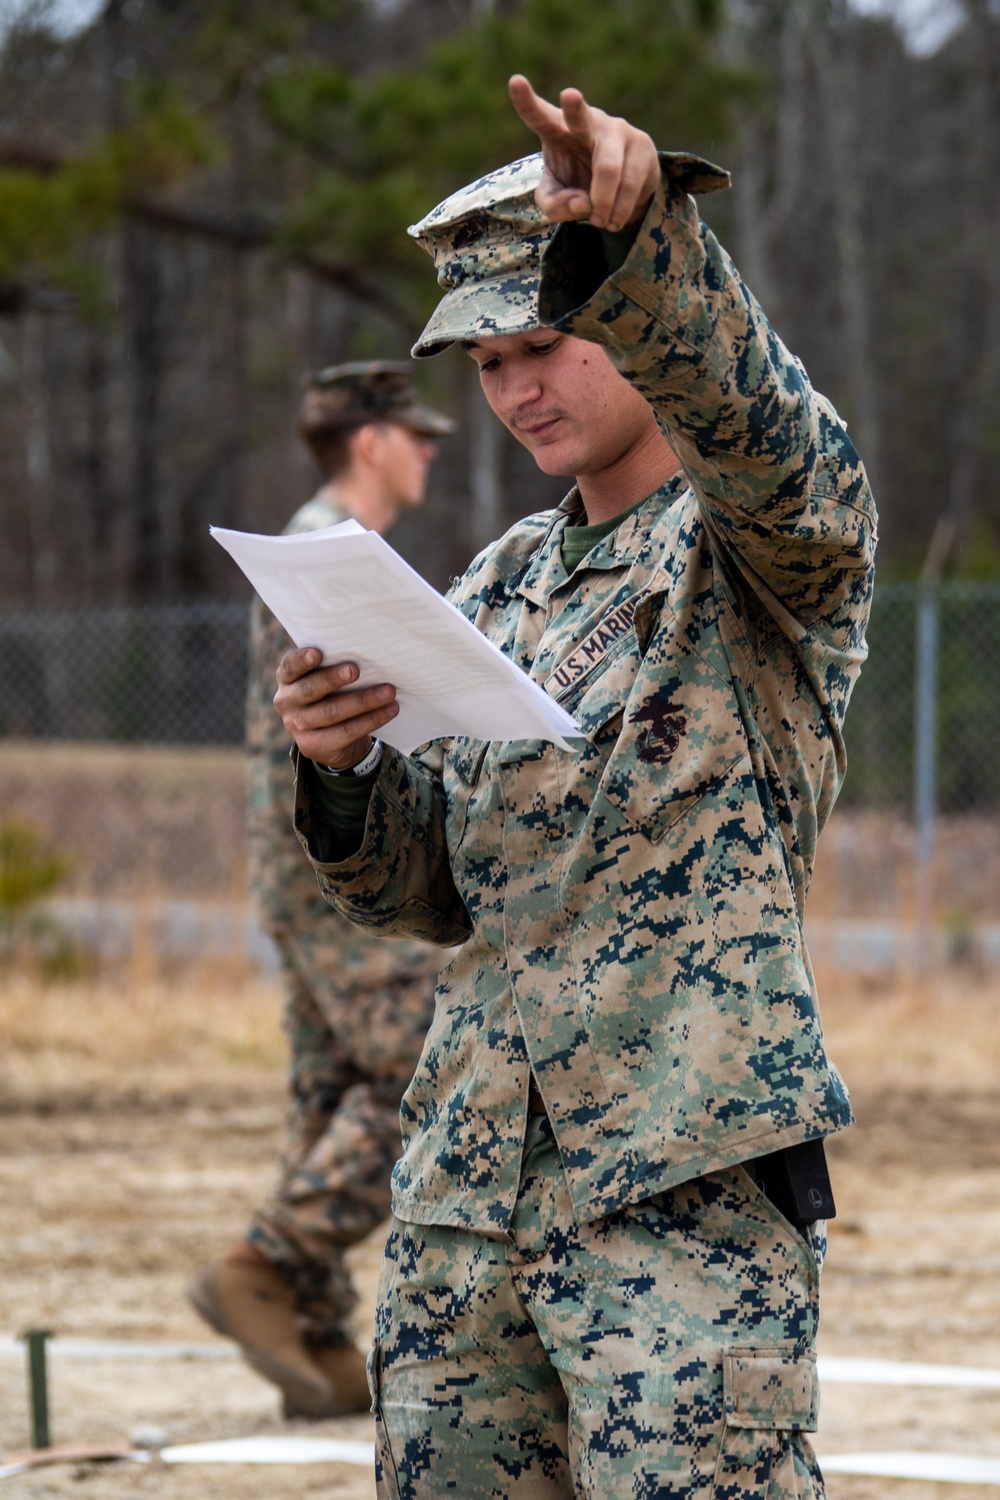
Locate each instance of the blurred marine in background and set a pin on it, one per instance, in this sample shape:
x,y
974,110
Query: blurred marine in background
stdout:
x,y
358,1006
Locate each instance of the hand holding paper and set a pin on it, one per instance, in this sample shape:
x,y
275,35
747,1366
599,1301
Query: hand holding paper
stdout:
x,y
345,591
331,720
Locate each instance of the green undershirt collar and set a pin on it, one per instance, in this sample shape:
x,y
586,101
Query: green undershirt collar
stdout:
x,y
577,541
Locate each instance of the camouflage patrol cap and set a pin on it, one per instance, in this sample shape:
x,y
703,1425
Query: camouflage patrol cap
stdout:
x,y
487,242
372,390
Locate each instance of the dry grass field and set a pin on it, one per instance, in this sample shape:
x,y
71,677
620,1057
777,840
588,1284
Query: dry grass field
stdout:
x,y
140,1110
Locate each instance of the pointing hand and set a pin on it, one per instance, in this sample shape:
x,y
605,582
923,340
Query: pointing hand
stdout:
x,y
597,166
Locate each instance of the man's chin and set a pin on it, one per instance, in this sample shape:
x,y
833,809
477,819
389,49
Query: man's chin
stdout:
x,y
553,459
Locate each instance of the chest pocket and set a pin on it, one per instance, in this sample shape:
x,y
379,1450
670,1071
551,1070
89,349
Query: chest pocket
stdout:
x,y
597,697
680,736
463,764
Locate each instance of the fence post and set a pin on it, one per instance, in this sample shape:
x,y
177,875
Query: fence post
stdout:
x,y
925,774
925,741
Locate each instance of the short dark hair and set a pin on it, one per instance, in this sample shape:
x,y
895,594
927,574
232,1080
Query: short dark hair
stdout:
x,y
326,434
331,451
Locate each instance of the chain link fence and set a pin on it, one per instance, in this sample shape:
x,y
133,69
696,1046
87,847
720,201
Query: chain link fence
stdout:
x,y
172,676
947,665
178,676
908,874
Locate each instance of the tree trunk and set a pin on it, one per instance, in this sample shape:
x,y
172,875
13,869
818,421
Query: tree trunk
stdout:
x,y
835,45
749,201
236,386
789,170
974,279
144,360
97,471
41,510
236,395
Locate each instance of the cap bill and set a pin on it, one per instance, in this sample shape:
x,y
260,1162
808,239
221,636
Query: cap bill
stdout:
x,y
485,309
423,420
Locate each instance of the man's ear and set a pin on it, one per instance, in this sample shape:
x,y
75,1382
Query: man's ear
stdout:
x,y
365,443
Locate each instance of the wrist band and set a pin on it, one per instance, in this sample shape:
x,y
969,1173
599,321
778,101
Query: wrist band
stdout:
x,y
364,766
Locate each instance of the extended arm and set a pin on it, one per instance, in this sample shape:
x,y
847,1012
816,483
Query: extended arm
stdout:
x,y
787,513
780,483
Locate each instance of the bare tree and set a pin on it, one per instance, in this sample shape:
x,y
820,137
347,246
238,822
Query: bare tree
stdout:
x,y
35,407
976,278
145,355
834,44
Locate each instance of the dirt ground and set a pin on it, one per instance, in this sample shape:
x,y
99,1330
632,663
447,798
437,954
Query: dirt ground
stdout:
x,y
139,1118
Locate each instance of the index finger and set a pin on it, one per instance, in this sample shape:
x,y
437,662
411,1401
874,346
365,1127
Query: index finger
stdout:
x,y
537,113
297,662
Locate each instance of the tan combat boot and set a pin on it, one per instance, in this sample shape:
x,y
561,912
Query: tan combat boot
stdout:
x,y
344,1368
254,1306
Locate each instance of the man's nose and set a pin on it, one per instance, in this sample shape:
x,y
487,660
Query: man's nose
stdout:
x,y
520,386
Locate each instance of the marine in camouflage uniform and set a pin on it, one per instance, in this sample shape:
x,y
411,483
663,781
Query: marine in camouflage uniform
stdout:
x,y
356,1014
594,1285
358,1006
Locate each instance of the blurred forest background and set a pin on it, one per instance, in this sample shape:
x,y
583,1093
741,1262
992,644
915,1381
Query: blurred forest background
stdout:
x,y
200,200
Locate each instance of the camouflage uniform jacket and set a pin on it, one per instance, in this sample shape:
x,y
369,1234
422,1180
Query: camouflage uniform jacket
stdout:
x,y
631,909
283,883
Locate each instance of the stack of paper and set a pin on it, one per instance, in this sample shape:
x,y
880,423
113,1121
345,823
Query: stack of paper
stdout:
x,y
346,591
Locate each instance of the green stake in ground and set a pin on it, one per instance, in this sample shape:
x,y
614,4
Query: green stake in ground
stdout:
x,y
38,1385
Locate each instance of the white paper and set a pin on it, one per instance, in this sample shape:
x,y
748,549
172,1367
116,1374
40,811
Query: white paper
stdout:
x,y
942,1468
272,1450
901,1372
88,1350
346,591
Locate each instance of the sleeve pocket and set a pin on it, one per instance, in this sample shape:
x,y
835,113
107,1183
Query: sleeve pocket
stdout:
x,y
770,1397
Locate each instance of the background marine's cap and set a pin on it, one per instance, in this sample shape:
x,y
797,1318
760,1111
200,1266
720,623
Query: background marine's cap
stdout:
x,y
487,242
370,390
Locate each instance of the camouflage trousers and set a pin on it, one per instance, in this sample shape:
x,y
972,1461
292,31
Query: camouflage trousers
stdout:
x,y
353,1051
664,1352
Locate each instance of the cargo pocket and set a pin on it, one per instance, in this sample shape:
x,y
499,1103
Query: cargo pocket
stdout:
x,y
385,1468
769,1397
